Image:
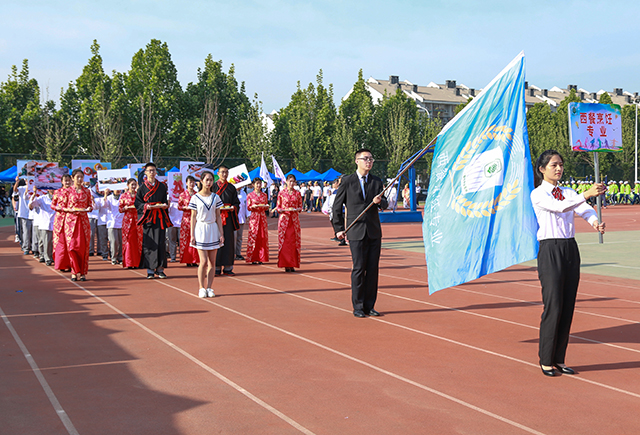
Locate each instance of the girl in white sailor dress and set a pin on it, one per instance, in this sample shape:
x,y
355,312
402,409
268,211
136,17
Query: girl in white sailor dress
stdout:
x,y
206,232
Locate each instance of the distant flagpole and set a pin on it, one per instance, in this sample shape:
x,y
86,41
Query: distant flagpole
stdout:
x,y
264,172
277,170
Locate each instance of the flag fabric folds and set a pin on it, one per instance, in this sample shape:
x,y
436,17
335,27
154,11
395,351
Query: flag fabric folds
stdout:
x,y
277,170
478,217
264,172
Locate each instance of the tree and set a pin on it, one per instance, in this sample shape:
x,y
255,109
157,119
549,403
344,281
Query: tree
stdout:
x,y
605,98
19,111
54,133
107,134
357,112
396,121
304,129
212,133
233,105
154,95
254,139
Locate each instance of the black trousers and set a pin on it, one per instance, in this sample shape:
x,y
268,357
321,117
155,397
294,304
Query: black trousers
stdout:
x,y
365,255
559,273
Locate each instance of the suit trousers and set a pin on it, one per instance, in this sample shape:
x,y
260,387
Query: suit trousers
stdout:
x,y
238,236
365,255
93,224
559,274
103,246
115,241
26,226
45,239
173,241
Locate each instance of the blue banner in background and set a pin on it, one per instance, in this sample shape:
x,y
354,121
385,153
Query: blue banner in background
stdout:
x,y
478,218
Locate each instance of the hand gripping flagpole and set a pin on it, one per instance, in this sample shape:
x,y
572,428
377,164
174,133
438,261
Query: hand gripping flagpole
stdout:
x,y
392,182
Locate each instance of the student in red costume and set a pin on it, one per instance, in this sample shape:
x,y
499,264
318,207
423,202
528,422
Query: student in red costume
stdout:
x,y
188,254
289,241
131,231
76,225
58,204
258,240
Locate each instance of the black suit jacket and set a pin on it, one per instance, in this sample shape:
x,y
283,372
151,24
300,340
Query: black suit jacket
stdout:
x,y
350,195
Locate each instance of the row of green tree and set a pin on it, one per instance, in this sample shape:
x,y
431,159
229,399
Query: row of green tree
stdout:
x,y
145,111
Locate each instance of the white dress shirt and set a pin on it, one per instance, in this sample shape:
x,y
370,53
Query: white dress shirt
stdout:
x,y
44,213
112,211
555,217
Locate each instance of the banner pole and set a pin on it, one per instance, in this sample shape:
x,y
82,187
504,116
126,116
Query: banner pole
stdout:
x,y
392,182
596,164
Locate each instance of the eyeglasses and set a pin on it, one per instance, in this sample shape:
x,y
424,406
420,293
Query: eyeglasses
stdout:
x,y
367,159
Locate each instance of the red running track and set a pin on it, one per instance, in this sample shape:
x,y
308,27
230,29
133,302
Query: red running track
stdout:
x,y
279,353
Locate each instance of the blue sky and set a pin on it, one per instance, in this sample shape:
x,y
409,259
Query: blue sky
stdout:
x,y
274,44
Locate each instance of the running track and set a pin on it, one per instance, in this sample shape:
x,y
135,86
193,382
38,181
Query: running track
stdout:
x,y
280,353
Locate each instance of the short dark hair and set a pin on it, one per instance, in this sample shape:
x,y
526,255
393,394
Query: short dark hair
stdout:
x,y
544,159
255,180
362,150
223,167
150,164
66,176
190,178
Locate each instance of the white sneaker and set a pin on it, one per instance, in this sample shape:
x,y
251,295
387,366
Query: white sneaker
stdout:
x,y
202,293
210,293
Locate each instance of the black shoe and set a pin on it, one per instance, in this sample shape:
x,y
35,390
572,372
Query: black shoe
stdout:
x,y
161,275
83,278
218,273
565,370
547,372
105,258
374,313
91,254
229,273
49,263
42,260
74,278
342,243
150,276
359,313
239,257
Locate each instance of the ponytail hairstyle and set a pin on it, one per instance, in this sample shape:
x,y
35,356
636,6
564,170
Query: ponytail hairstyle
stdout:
x,y
543,161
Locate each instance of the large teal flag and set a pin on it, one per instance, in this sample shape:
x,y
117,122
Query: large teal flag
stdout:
x,y
478,217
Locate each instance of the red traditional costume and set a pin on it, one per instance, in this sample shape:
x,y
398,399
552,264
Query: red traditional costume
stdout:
x,y
289,243
131,232
188,254
60,254
77,230
258,241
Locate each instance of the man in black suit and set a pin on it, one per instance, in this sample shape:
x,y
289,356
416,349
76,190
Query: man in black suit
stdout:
x,y
356,192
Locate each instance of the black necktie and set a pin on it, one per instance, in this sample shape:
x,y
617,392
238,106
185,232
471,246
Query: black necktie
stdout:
x,y
365,186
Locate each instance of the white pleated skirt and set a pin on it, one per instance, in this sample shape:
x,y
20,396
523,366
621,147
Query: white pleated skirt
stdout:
x,y
207,236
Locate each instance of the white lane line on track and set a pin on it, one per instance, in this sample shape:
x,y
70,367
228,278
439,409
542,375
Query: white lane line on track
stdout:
x,y
469,346
460,288
62,415
349,357
472,313
195,360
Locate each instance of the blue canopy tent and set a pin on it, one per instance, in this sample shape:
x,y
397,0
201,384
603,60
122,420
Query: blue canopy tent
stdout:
x,y
299,175
174,169
330,175
9,175
312,175
256,173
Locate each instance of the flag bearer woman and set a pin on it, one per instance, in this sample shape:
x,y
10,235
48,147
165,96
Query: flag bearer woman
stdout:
x,y
558,257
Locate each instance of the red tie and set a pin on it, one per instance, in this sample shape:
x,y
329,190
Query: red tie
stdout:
x,y
557,193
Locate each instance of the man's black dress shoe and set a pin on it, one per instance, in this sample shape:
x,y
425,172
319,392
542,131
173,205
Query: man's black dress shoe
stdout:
x,y
565,370
374,313
548,372
359,313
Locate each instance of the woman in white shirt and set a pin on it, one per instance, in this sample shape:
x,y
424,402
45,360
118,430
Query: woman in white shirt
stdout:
x,y
206,231
558,256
